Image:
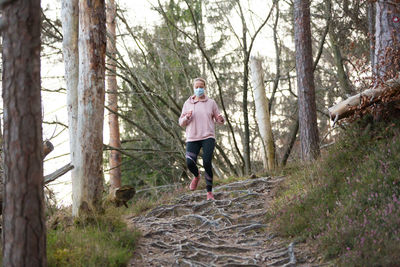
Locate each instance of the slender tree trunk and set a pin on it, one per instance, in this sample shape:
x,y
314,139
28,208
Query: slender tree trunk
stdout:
x,y
70,22
305,78
246,143
202,37
277,57
262,114
292,138
387,38
246,55
24,228
341,72
371,30
92,49
115,156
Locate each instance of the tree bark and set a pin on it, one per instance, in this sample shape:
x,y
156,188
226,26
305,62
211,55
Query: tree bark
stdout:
x,y
24,228
115,156
246,56
262,114
292,138
371,31
387,38
341,72
309,138
70,26
92,49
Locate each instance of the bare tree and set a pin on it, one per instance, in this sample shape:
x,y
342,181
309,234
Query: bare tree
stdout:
x,y
24,229
70,22
263,114
305,78
115,155
89,160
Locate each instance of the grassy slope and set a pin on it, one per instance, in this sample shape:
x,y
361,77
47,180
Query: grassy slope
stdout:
x,y
348,202
104,240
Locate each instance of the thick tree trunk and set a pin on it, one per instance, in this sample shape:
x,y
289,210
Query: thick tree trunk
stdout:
x,y
70,24
387,38
47,148
305,78
24,228
92,49
115,155
262,114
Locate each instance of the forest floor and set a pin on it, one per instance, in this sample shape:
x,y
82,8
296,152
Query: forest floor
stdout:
x,y
230,231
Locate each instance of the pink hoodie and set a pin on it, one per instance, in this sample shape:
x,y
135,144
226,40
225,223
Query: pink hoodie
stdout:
x,y
201,125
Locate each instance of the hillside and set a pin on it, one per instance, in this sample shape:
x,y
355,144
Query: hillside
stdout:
x,y
347,203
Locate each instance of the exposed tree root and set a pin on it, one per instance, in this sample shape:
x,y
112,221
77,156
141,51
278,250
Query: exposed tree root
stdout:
x,y
229,231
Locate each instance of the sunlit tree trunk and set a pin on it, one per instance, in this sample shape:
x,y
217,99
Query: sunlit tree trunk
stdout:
x,y
92,49
24,229
70,22
305,81
262,114
387,38
115,155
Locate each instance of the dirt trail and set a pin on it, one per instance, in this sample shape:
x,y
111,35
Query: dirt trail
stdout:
x,y
229,231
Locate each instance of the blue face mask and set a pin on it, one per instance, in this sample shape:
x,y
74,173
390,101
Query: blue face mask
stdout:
x,y
199,92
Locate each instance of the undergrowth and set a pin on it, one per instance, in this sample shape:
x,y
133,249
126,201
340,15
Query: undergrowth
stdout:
x,y
348,202
104,240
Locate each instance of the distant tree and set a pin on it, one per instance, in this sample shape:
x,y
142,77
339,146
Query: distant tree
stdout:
x,y
115,142
24,228
309,138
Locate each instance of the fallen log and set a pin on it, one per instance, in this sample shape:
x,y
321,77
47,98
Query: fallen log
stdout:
x,y
370,96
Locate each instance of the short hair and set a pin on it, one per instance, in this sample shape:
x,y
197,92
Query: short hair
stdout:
x,y
200,79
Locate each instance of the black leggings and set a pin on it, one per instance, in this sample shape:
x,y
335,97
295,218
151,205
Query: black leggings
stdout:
x,y
192,151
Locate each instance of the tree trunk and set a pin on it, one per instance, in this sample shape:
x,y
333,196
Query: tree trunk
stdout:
x,y
262,114
246,55
92,49
305,78
70,26
387,38
341,72
292,138
24,228
371,31
115,155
